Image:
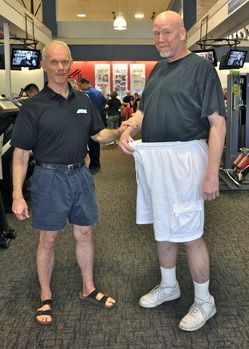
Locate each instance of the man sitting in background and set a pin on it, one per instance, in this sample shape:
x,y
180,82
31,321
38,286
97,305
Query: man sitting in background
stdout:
x,y
31,90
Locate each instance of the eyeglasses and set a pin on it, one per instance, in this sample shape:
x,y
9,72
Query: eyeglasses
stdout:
x,y
55,63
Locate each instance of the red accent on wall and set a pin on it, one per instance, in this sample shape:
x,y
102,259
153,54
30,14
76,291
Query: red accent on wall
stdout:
x,y
87,68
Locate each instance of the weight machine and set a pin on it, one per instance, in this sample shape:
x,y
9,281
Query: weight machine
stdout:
x,y
234,174
8,113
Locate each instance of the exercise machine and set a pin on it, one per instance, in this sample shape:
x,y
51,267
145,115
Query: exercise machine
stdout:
x,y
234,174
8,113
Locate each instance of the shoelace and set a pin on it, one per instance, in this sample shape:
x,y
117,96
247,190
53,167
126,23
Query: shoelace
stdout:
x,y
159,289
197,308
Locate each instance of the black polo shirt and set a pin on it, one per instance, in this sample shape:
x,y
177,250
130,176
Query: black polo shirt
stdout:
x,y
56,129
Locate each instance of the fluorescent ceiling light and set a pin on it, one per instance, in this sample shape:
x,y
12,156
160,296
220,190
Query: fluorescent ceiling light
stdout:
x,y
81,15
139,15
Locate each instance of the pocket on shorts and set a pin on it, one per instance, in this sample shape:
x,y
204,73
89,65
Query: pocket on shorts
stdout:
x,y
186,217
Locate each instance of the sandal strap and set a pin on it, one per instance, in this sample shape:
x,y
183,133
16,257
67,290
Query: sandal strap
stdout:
x,y
94,293
47,302
44,312
104,299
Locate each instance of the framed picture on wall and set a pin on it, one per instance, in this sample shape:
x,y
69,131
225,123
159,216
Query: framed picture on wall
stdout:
x,y
102,78
120,78
137,77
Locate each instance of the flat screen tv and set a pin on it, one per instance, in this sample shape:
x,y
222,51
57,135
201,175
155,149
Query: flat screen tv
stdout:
x,y
234,59
2,63
208,54
25,58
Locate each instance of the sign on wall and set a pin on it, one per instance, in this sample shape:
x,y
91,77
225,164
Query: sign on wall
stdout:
x,y
102,78
137,77
120,79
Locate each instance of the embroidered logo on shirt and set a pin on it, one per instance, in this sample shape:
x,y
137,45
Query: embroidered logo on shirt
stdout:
x,y
81,111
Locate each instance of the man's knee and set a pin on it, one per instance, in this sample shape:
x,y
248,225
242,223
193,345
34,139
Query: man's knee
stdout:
x,y
48,239
192,245
83,233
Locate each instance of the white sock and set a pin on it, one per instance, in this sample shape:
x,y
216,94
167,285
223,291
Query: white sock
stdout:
x,y
168,276
202,291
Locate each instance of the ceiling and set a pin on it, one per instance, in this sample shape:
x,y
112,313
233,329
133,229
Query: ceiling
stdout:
x,y
99,16
99,10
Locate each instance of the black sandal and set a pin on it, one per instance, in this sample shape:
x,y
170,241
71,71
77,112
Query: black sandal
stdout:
x,y
47,313
92,297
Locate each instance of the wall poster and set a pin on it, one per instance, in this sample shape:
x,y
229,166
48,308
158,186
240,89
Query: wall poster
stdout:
x,y
137,77
120,79
102,78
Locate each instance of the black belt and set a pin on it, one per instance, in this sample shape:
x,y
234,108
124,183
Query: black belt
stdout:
x,y
69,167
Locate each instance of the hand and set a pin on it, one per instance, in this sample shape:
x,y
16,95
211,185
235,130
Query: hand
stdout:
x,y
211,188
130,122
125,142
20,209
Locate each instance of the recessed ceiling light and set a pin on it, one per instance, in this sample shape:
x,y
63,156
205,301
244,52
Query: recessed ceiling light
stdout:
x,y
139,15
81,15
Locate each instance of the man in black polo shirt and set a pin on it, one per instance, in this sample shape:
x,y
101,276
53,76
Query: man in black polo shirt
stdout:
x,y
56,125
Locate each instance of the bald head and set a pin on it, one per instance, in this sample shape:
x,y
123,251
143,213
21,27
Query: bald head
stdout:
x,y
169,17
170,34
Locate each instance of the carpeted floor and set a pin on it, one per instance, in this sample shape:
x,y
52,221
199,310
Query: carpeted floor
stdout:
x,y
126,266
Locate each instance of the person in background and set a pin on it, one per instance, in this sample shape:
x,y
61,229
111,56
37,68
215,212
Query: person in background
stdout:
x,y
136,101
181,116
31,90
74,84
113,106
127,104
56,125
99,102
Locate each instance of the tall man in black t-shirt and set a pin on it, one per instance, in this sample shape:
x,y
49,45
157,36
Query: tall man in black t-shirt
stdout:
x,y
56,125
181,110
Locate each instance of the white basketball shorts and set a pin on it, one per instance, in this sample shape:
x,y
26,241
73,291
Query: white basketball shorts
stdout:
x,y
170,179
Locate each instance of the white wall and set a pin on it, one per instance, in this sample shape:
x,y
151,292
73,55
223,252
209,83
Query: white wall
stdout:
x,y
20,78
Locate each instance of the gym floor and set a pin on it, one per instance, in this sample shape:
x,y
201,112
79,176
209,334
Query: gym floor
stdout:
x,y
126,266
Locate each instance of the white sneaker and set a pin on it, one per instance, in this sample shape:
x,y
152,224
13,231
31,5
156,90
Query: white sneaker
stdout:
x,y
198,315
159,295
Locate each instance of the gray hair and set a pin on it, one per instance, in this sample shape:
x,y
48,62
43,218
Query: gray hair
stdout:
x,y
56,43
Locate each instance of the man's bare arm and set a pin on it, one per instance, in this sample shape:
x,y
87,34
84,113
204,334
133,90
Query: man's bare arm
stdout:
x,y
216,142
20,166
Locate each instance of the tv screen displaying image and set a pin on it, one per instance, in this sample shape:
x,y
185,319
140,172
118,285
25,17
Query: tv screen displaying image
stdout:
x,y
209,55
25,58
235,58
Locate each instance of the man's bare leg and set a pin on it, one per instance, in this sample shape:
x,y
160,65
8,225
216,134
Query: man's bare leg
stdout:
x,y
85,257
45,266
198,260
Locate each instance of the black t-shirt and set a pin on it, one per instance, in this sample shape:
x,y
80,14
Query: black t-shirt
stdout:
x,y
114,105
55,129
135,104
128,99
178,98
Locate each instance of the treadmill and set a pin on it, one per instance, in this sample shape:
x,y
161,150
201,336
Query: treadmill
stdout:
x,y
8,113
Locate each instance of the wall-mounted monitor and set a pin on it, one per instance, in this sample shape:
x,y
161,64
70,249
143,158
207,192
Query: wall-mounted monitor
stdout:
x,y
234,59
2,63
25,58
208,54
